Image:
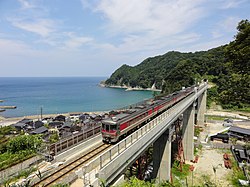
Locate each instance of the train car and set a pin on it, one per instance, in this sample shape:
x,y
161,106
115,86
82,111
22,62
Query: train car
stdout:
x,y
118,126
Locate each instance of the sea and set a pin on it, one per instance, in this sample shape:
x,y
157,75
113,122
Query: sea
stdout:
x,y
55,95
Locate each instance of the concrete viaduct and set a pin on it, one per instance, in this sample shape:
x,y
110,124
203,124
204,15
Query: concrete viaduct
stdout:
x,y
111,165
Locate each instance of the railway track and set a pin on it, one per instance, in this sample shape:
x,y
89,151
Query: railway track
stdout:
x,y
57,176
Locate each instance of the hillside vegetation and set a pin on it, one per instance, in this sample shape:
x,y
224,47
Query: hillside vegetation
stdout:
x,y
227,66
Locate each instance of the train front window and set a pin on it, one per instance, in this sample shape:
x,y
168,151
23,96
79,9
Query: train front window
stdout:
x,y
103,126
112,127
108,127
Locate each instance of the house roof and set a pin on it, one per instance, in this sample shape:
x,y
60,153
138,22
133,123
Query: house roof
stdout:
x,y
242,154
25,120
39,123
29,127
220,135
86,121
67,125
238,147
75,114
83,116
93,116
248,152
60,116
54,123
40,130
19,124
240,130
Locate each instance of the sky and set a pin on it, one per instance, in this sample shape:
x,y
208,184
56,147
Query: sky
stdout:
x,y
58,38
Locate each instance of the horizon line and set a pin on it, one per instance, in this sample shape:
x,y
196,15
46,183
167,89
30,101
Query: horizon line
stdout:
x,y
51,76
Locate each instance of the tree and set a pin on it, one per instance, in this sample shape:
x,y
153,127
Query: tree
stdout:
x,y
236,87
54,137
238,50
6,130
24,142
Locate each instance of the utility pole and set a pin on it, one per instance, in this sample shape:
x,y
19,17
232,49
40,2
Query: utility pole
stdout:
x,y
41,113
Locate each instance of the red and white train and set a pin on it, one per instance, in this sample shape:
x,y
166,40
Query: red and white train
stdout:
x,y
117,127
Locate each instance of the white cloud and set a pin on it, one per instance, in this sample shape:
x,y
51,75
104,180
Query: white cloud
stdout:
x,y
86,4
12,48
42,27
76,41
148,26
203,46
224,27
26,4
226,4
217,34
230,23
146,16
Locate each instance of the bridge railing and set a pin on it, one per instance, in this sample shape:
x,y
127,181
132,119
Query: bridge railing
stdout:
x,y
91,170
67,143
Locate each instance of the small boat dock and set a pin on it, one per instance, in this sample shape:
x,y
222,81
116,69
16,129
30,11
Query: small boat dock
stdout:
x,y
3,108
7,107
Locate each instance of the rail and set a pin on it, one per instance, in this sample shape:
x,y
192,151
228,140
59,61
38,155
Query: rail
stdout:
x,y
65,173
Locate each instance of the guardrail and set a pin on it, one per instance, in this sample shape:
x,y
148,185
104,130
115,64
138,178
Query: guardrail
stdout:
x,y
107,166
71,141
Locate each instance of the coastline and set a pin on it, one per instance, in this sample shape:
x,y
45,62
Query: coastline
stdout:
x,y
128,88
12,120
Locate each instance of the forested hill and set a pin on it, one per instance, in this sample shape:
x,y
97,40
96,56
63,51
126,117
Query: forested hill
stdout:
x,y
171,70
226,66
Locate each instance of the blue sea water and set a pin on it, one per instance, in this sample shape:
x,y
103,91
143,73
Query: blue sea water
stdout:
x,y
63,94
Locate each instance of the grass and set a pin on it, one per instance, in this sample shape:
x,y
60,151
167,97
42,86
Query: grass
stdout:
x,y
197,131
22,174
244,109
179,178
236,109
61,185
236,173
219,118
205,180
8,159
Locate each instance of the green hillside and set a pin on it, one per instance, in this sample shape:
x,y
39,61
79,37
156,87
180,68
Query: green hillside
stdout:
x,y
226,66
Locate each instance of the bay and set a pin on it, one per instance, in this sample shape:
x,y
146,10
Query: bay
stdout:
x,y
63,94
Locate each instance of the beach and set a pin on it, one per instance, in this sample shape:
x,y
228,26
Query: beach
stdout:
x,y
12,120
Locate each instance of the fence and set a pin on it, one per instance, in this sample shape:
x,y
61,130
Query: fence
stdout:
x,y
65,144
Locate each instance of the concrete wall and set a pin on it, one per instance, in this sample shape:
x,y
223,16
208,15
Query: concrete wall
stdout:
x,y
14,170
162,157
201,108
188,133
79,149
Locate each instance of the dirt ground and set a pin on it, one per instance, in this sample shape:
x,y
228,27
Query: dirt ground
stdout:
x,y
209,159
239,115
213,158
